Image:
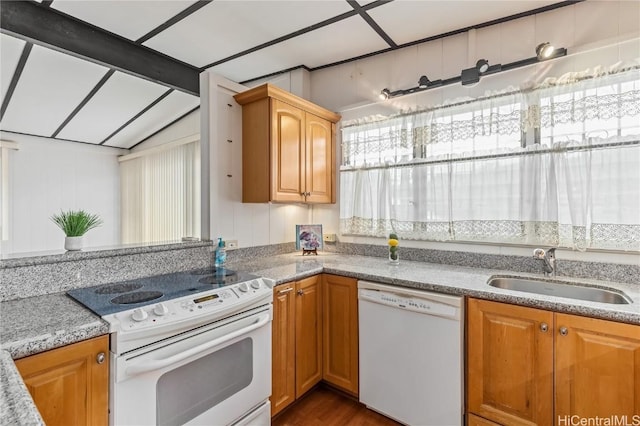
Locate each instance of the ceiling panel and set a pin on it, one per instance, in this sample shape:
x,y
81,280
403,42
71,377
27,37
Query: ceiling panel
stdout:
x,y
52,85
348,38
407,20
167,110
130,19
224,28
121,98
10,51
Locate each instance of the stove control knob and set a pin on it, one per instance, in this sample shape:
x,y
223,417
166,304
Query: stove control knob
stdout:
x,y
160,309
243,287
139,314
255,284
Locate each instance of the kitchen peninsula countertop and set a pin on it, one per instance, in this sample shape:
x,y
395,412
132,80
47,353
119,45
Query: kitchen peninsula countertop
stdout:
x,y
36,324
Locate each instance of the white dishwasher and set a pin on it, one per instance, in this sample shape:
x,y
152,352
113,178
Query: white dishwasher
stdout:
x,y
411,354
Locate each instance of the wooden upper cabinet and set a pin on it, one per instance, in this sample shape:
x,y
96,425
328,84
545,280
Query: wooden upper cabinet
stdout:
x,y
340,322
597,368
287,152
288,148
510,363
320,176
68,384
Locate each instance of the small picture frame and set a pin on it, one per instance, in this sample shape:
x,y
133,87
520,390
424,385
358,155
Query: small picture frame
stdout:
x,y
309,239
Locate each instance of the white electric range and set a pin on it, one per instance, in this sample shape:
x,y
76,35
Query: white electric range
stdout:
x,y
187,348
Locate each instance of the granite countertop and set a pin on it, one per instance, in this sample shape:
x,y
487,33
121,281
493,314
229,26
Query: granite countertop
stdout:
x,y
16,405
448,279
36,324
30,326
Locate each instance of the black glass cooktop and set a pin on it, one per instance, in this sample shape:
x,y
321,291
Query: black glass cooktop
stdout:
x,y
111,298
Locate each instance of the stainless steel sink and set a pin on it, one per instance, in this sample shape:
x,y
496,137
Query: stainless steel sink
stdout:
x,y
571,291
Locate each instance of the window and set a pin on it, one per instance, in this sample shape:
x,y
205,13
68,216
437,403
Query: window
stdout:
x,y
557,165
160,190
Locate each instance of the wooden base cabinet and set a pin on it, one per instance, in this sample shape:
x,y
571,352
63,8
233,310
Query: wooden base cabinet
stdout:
x,y
340,341
70,385
297,341
528,366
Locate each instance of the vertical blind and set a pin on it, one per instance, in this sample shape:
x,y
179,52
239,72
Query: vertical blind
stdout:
x,y
160,194
555,165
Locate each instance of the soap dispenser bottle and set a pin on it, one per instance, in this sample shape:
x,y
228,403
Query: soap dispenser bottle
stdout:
x,y
220,255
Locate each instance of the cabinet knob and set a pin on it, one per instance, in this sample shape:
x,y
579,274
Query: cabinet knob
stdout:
x,y
100,358
564,331
300,292
544,327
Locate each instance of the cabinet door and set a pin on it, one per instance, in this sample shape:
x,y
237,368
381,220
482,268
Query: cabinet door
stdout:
x,y
510,363
287,152
283,373
597,368
340,322
68,384
319,182
308,334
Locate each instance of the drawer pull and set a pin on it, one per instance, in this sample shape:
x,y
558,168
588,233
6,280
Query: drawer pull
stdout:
x,y
285,291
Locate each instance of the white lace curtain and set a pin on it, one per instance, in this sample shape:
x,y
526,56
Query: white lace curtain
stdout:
x,y
558,165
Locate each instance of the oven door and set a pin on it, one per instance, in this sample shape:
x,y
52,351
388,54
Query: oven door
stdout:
x,y
212,375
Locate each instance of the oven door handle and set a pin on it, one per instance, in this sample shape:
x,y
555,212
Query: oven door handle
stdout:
x,y
161,363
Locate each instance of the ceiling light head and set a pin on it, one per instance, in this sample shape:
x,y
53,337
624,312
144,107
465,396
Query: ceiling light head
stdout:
x,y
385,94
423,83
545,51
482,66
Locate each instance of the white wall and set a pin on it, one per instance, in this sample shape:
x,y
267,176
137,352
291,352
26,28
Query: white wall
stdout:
x,y
594,32
252,224
187,126
46,176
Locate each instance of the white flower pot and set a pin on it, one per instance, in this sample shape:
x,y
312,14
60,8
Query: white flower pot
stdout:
x,y
73,243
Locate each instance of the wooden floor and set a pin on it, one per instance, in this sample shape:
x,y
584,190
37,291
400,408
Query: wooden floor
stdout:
x,y
325,407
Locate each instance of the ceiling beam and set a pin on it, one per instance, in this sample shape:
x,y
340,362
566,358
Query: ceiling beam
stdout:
x,y
30,21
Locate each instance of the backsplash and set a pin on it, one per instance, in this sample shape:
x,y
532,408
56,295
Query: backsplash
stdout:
x,y
569,268
36,276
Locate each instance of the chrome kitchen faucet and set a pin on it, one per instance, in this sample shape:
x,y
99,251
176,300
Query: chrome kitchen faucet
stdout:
x,y
549,258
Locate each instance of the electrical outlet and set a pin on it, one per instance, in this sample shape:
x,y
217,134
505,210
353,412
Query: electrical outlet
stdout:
x,y
231,244
329,238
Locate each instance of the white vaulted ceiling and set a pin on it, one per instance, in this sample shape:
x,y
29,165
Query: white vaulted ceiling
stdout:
x,y
46,92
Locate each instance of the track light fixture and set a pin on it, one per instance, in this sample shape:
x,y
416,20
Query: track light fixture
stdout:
x,y
385,94
472,75
423,82
482,66
544,52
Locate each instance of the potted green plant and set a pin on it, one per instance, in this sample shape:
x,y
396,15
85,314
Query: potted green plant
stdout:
x,y
75,223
